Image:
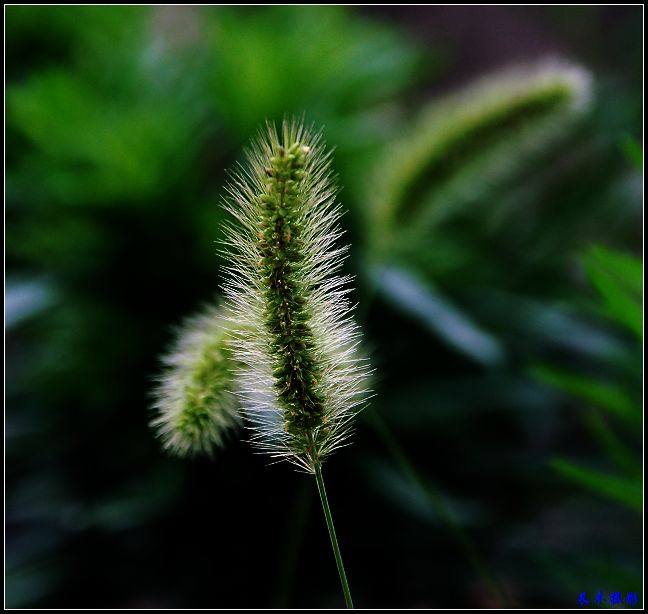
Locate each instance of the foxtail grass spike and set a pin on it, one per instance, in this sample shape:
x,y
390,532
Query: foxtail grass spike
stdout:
x,y
302,378
467,142
195,399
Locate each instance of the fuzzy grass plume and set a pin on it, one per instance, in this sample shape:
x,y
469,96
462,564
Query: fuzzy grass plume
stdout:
x,y
195,400
467,143
302,379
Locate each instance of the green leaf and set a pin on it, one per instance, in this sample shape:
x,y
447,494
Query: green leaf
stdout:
x,y
625,490
25,298
427,304
604,395
614,448
633,151
618,278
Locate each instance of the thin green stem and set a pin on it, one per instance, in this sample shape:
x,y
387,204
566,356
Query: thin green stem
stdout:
x,y
331,529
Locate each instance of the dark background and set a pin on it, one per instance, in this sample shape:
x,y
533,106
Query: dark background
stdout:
x,y
459,489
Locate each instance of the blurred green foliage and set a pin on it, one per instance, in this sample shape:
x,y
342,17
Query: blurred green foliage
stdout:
x,y
611,395
120,122
618,278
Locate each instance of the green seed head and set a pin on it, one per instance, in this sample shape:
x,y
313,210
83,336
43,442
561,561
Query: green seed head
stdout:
x,y
467,142
302,378
195,400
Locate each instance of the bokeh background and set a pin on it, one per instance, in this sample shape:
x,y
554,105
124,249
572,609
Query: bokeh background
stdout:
x,y
500,462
